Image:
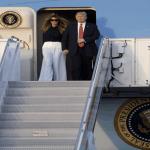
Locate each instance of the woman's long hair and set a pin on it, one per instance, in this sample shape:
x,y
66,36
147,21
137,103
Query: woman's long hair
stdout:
x,y
62,23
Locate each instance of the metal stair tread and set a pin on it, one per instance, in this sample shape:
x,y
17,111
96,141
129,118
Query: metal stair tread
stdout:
x,y
30,84
44,99
44,132
43,108
42,116
52,147
36,141
44,91
20,124
47,88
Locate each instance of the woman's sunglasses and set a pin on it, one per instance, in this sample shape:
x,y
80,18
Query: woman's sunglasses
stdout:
x,y
54,20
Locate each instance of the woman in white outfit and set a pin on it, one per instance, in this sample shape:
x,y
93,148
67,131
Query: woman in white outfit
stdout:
x,y
54,61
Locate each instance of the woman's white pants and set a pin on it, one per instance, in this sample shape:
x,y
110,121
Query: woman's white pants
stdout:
x,y
54,62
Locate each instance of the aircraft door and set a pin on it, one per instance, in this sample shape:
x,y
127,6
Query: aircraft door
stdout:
x,y
67,13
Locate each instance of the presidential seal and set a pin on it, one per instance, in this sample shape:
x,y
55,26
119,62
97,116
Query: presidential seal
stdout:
x,y
132,122
10,19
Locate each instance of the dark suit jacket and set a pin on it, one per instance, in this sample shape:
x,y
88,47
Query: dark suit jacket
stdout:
x,y
69,39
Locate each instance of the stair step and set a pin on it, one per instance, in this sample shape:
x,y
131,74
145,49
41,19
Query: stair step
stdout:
x,y
53,116
52,147
52,133
39,124
43,108
30,84
45,100
42,115
36,141
58,91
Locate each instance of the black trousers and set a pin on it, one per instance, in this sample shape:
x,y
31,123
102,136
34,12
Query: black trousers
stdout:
x,y
79,66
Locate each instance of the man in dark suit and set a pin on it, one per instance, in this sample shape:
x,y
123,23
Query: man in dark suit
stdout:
x,y
78,43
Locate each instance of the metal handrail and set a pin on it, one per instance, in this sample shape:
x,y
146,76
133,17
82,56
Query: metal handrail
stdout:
x,y
12,39
91,94
4,54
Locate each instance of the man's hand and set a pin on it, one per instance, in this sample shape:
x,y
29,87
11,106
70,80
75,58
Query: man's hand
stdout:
x,y
65,51
81,41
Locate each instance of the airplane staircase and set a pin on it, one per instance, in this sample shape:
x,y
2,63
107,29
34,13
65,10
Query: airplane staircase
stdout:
x,y
38,115
51,115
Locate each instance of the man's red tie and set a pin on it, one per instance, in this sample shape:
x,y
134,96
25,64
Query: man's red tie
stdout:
x,y
81,35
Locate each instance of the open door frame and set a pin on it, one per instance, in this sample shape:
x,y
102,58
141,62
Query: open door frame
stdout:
x,y
68,13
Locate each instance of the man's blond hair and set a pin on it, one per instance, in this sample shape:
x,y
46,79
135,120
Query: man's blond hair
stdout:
x,y
81,12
